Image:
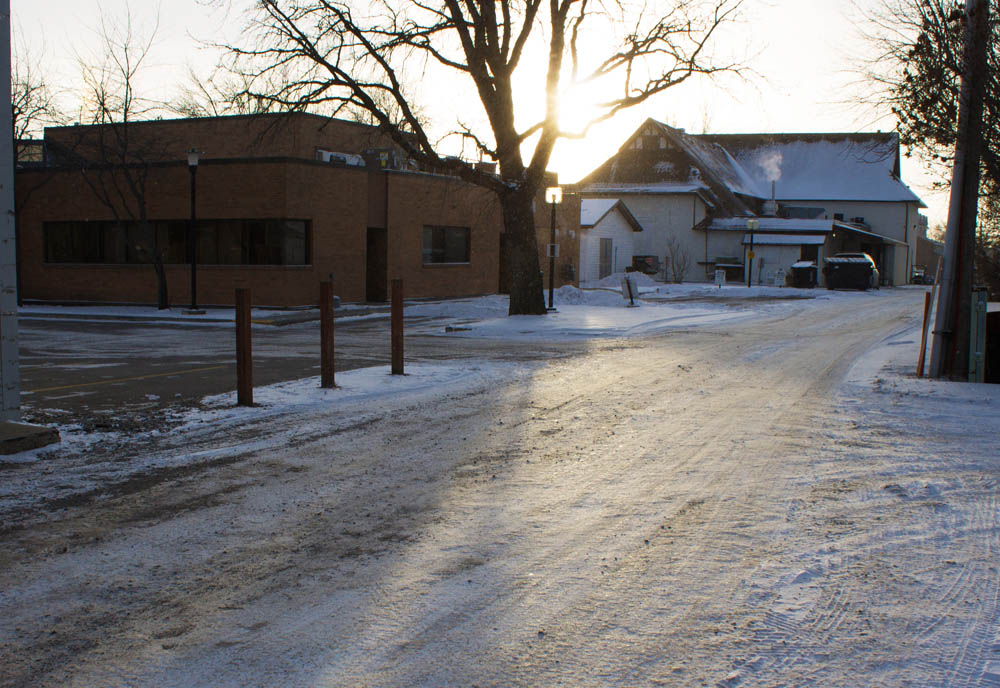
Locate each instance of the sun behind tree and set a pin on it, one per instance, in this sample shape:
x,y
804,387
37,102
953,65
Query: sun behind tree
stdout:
x,y
345,57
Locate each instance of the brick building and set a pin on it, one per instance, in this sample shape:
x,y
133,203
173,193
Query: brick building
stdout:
x,y
282,202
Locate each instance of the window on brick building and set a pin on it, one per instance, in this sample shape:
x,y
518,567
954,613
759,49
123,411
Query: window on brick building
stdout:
x,y
220,242
445,245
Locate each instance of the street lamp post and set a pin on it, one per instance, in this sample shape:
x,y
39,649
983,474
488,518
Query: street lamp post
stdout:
x,y
192,234
553,195
752,224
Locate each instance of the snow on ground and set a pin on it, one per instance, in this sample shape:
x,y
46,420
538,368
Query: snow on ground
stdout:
x,y
600,310
579,313
852,533
590,313
360,393
651,289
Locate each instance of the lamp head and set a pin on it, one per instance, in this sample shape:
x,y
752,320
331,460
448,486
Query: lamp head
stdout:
x,y
193,156
553,194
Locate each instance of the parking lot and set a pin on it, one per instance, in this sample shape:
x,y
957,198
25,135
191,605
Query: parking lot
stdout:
x,y
120,371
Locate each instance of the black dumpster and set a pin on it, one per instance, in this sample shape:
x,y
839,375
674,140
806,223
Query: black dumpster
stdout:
x,y
850,271
804,274
993,347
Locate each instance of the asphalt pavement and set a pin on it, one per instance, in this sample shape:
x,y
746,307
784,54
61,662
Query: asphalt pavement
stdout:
x,y
105,371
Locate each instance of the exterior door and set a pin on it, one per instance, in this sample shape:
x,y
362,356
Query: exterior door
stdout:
x,y
376,270
604,259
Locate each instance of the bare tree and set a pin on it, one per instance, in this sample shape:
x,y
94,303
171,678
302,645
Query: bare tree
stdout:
x,y
33,105
347,56
220,93
678,260
916,73
114,162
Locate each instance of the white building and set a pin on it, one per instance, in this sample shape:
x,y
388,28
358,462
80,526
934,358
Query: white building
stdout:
x,y
812,195
607,245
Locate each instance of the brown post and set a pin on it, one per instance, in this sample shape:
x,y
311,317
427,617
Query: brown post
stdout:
x,y
923,334
397,327
326,334
244,353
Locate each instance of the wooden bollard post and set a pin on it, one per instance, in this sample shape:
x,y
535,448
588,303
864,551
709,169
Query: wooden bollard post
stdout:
x,y
923,334
326,334
397,327
244,353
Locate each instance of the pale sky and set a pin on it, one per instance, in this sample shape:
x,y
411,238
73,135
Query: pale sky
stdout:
x,y
801,52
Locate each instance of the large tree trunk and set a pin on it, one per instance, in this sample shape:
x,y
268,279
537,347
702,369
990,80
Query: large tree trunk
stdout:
x,y
525,278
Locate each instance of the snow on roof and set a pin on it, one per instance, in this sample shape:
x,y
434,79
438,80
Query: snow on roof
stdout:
x,y
653,188
847,258
772,224
716,161
820,167
593,209
857,230
786,239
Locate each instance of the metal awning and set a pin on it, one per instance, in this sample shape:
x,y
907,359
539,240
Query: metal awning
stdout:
x,y
785,239
871,235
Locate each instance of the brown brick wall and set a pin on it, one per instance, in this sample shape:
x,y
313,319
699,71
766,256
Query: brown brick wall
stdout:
x,y
416,200
295,135
335,199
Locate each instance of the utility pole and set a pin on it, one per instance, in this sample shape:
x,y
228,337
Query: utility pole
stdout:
x,y
952,327
10,378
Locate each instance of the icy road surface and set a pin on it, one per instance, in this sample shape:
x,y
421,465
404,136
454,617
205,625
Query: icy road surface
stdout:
x,y
715,506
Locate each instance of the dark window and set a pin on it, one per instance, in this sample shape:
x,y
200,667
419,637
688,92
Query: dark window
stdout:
x,y
446,245
171,240
72,242
220,242
228,243
141,240
809,252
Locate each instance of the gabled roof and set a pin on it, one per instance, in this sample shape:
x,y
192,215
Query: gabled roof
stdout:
x,y
593,210
820,167
657,154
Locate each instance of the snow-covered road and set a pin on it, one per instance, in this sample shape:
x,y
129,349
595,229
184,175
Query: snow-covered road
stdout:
x,y
724,505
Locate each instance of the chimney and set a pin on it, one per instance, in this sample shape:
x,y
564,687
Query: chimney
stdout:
x,y
771,206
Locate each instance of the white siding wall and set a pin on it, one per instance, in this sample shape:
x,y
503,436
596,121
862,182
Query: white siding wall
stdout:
x,y
769,259
612,226
726,245
898,221
664,215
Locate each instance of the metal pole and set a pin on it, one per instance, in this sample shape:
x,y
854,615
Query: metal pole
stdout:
x,y
10,378
552,254
244,351
750,260
397,326
326,334
193,239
